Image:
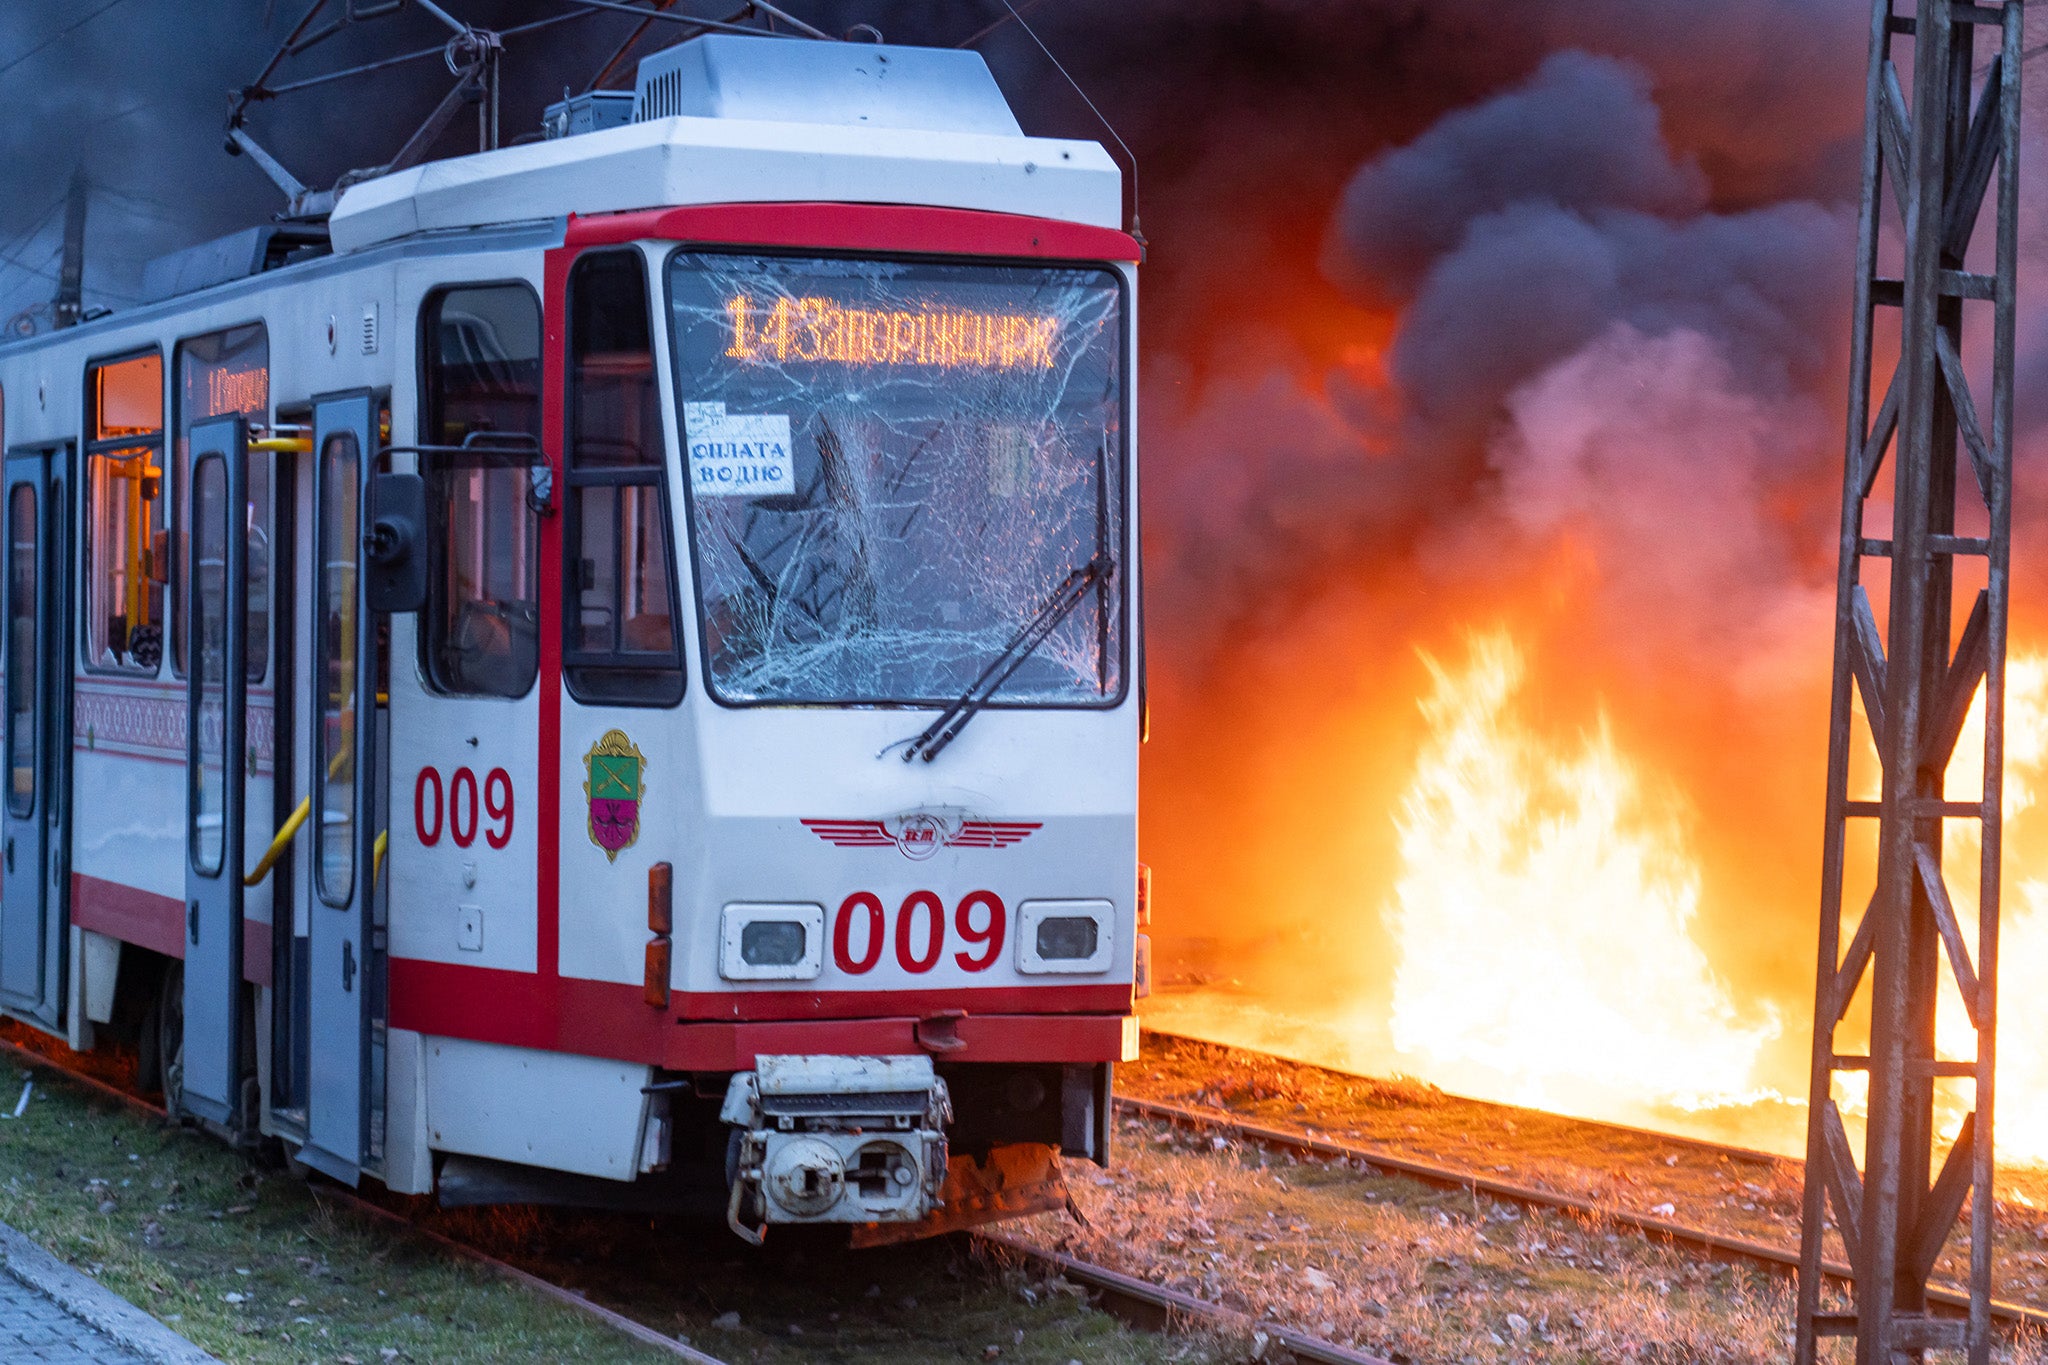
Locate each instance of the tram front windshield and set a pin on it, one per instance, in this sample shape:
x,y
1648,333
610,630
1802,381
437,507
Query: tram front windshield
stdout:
x,y
894,468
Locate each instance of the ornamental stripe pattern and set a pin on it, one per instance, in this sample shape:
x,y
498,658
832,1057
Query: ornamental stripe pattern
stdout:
x,y
147,720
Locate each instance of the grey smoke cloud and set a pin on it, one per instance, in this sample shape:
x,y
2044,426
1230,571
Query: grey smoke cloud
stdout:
x,y
1515,231
1609,413
1560,277
1581,134
1529,285
1669,467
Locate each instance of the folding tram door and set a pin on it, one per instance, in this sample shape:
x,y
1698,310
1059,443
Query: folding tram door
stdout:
x,y
209,1065
35,732
343,710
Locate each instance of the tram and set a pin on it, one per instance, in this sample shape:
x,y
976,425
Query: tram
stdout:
x,y
613,670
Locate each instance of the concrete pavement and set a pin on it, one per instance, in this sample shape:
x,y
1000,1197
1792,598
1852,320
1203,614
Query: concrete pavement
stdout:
x,y
51,1314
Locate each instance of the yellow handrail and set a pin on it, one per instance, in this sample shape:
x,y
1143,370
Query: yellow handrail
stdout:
x,y
284,838
283,445
291,825
279,844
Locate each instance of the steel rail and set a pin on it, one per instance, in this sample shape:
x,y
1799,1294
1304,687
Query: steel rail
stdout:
x,y
619,1322
1156,1308
612,1318
1147,1306
1714,1246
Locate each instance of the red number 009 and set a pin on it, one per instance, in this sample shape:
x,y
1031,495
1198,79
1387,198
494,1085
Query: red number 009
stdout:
x,y
452,805
920,936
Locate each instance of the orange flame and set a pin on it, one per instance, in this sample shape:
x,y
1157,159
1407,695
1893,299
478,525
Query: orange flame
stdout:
x,y
1542,913
2022,1102
1542,917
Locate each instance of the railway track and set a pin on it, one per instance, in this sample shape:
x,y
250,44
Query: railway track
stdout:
x,y
1138,1302
1708,1244
1155,1308
336,1196
1143,1305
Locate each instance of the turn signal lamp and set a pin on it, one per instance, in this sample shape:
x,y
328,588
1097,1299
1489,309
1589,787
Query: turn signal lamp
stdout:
x,y
657,973
661,901
661,918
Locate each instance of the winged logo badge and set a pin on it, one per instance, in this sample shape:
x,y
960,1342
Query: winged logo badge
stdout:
x,y
921,834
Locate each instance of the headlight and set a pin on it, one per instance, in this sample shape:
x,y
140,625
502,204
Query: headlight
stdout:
x,y
1076,937
771,942
1067,938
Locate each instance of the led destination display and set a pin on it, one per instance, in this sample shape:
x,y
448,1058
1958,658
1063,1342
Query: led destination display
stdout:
x,y
817,329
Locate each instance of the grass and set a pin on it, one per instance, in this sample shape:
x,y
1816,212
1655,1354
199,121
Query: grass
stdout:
x,y
253,1266
247,1262
805,1297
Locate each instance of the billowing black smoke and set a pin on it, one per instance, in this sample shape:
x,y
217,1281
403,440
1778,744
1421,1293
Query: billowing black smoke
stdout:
x,y
1584,343
1630,365
1582,135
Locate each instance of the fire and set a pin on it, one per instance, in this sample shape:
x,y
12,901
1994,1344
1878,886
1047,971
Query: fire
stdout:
x,y
2022,1117
1542,917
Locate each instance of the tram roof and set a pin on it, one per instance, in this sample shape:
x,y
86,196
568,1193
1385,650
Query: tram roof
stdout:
x,y
721,119
726,119
684,160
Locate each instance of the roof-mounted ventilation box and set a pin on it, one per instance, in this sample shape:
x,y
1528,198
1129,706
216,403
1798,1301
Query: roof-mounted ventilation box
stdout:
x,y
233,257
855,85
587,113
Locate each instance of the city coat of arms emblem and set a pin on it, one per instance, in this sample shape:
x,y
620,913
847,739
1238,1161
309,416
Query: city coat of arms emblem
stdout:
x,y
612,773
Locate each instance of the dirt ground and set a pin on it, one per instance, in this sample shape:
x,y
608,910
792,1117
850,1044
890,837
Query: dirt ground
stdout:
x,y
257,1269
1416,1273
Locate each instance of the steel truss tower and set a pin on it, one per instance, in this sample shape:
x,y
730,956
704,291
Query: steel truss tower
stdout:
x,y
1928,170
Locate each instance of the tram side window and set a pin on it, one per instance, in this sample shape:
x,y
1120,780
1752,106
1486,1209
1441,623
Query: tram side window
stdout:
x,y
480,347
221,374
4,672
3,644
335,600
22,649
621,643
124,497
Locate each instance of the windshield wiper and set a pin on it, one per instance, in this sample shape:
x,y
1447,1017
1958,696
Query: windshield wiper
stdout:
x,y
1028,638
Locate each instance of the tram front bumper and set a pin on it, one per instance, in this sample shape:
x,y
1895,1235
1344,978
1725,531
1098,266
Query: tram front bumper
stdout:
x,y
825,1139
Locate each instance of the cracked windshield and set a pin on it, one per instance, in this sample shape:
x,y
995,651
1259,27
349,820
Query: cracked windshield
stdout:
x,y
895,468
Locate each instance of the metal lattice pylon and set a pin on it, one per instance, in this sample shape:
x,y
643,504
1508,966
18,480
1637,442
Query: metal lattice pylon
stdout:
x,y
1928,170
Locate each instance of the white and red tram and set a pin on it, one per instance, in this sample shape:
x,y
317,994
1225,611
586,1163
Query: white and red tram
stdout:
x,y
619,668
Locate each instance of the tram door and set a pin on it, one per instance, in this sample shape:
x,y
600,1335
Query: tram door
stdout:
x,y
36,733
216,590
342,976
